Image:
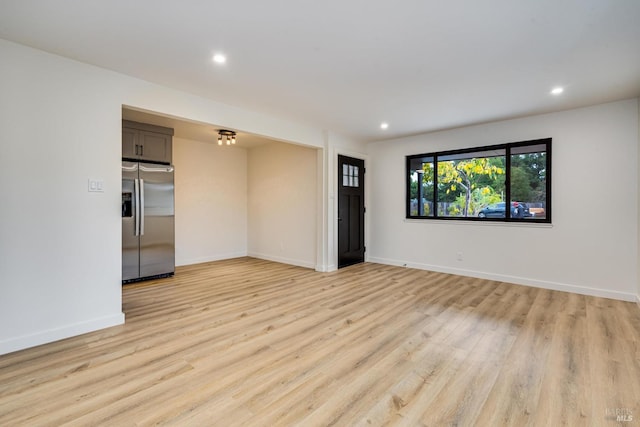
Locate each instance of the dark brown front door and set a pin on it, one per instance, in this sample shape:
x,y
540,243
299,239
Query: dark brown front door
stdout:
x,y
350,211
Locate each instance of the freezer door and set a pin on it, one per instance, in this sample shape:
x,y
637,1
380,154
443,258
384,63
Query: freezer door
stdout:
x,y
130,206
157,248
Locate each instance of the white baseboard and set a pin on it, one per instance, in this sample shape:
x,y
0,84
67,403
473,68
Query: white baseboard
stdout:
x,y
638,300
283,260
201,260
326,268
67,331
564,287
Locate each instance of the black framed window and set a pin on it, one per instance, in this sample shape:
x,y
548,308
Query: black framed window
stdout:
x,y
506,182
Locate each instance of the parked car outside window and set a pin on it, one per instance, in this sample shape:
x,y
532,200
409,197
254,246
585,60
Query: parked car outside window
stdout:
x,y
497,210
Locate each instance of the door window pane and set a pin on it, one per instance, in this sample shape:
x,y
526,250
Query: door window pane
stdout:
x,y
350,176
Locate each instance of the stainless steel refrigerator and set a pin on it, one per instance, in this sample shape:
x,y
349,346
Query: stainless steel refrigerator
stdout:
x,y
148,248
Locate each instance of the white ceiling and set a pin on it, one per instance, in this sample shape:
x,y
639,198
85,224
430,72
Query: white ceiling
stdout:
x,y
346,66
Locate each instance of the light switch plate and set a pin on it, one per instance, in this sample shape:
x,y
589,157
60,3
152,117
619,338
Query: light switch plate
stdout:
x,y
96,185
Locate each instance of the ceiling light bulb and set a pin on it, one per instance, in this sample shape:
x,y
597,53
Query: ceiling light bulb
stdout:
x,y
384,126
233,139
228,141
219,58
557,91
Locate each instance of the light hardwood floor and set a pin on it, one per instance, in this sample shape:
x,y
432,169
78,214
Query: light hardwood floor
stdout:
x,y
247,342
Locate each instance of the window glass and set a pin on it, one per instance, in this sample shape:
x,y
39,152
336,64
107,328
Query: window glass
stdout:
x,y
529,182
469,182
421,187
477,183
350,176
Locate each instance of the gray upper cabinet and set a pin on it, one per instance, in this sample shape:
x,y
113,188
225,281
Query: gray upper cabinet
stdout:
x,y
129,143
141,141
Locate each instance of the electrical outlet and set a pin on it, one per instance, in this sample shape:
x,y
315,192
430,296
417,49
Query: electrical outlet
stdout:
x,y
459,256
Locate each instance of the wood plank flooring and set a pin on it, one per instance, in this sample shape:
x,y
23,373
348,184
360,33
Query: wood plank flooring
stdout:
x,y
246,342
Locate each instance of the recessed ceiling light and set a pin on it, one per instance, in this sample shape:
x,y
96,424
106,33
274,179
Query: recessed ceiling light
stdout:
x,y
219,58
384,125
557,90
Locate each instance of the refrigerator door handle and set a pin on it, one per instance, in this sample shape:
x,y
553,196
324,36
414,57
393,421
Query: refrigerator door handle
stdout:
x,y
136,201
141,217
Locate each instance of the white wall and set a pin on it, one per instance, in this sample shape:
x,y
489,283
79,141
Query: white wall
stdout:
x,y
60,246
638,189
282,213
592,246
210,200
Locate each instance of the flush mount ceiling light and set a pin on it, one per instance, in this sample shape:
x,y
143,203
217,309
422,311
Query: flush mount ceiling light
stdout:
x,y
557,90
384,125
228,136
219,58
